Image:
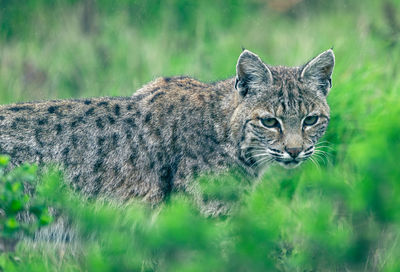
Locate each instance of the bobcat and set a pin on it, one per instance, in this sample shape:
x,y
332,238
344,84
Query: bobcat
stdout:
x,y
174,128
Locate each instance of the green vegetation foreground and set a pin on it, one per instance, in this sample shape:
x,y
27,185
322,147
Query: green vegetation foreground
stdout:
x,y
343,213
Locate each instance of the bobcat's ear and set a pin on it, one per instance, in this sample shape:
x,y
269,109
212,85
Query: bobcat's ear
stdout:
x,y
319,70
251,72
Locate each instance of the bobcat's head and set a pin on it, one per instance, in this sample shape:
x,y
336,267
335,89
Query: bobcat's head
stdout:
x,y
282,111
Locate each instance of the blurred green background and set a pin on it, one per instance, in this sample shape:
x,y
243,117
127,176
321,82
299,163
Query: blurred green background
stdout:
x,y
340,214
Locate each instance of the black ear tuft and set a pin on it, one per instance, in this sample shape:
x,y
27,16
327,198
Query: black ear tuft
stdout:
x,y
251,72
319,70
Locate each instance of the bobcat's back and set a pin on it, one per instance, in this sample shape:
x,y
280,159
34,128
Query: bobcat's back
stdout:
x,y
146,145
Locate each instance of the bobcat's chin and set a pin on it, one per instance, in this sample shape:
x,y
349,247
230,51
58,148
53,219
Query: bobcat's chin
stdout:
x,y
290,164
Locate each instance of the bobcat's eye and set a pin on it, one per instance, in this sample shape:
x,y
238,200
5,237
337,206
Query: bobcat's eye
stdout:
x,y
269,122
310,120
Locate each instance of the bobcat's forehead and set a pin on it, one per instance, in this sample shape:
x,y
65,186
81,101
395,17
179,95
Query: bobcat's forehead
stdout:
x,y
289,97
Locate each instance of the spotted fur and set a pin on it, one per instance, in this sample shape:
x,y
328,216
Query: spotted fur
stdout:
x,y
174,128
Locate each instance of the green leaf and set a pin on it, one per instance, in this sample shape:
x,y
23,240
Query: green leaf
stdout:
x,y
4,160
16,187
37,209
45,219
12,224
16,206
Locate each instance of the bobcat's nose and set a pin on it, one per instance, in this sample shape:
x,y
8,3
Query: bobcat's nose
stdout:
x,y
293,151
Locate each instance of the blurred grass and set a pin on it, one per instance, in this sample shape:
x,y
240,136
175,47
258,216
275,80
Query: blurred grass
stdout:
x,y
49,54
340,216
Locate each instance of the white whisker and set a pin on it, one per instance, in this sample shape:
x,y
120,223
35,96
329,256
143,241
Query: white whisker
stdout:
x,y
259,155
323,142
319,157
324,146
265,161
315,162
320,152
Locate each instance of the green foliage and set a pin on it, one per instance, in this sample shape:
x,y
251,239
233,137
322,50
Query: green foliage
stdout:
x,y
341,214
16,203
226,187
